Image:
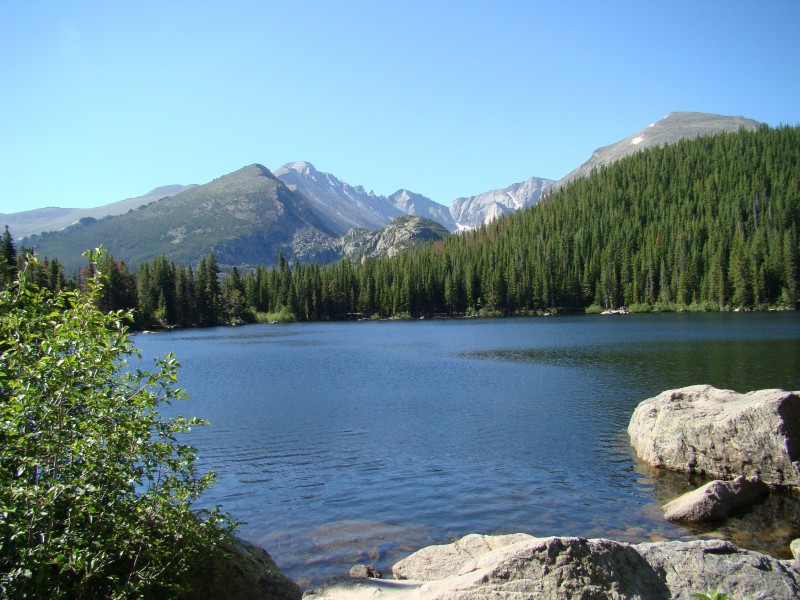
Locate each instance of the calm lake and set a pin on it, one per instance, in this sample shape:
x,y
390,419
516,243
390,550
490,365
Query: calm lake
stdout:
x,y
340,443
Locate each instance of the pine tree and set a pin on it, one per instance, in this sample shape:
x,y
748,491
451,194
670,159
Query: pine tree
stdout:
x,y
8,258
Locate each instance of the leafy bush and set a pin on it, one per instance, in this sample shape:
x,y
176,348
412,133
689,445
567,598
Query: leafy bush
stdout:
x,y
95,489
640,307
705,306
666,307
283,315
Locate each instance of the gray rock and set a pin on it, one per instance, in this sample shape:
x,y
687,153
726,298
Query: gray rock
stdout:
x,y
364,572
721,433
795,548
692,567
437,562
716,500
241,570
570,567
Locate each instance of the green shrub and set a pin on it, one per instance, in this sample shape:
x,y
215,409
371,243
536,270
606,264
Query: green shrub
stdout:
x,y
95,489
283,315
640,307
666,307
705,306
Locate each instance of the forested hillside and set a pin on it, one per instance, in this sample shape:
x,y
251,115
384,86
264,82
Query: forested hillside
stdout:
x,y
704,224
708,223
711,221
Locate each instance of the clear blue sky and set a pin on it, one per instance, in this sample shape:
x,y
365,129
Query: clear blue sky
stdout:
x,y
102,101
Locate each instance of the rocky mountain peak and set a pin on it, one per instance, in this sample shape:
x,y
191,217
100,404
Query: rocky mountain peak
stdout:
x,y
300,167
338,203
484,208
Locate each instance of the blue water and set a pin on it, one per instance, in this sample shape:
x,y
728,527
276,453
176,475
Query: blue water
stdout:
x,y
339,443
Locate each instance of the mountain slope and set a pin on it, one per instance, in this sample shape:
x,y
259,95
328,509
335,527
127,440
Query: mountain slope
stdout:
x,y
339,204
345,206
675,126
245,217
30,222
484,208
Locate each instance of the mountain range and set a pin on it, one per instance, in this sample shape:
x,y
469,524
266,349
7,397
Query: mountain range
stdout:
x,y
247,217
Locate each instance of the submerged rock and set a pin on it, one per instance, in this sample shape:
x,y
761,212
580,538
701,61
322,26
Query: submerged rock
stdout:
x,y
522,566
701,429
716,500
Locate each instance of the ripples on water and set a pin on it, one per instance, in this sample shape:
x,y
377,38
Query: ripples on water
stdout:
x,y
361,442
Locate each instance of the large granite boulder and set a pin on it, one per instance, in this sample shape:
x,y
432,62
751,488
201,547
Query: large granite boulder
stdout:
x,y
437,562
716,500
575,568
691,567
702,429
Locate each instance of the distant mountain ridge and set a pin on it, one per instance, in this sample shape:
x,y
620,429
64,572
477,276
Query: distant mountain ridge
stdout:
x,y
247,217
669,130
342,205
40,220
484,208
348,206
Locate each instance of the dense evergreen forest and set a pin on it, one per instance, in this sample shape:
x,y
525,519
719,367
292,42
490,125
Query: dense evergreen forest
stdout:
x,y
704,224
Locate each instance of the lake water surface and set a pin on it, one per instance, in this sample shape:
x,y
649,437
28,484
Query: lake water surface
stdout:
x,y
340,443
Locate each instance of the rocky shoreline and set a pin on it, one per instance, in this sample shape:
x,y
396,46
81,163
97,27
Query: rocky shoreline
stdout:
x,y
524,567
752,440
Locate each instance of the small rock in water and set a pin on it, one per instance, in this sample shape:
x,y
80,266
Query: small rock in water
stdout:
x,y
716,500
364,572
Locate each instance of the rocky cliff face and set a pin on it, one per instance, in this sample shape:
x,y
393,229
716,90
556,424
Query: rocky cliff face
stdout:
x,y
475,211
339,204
401,234
420,206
